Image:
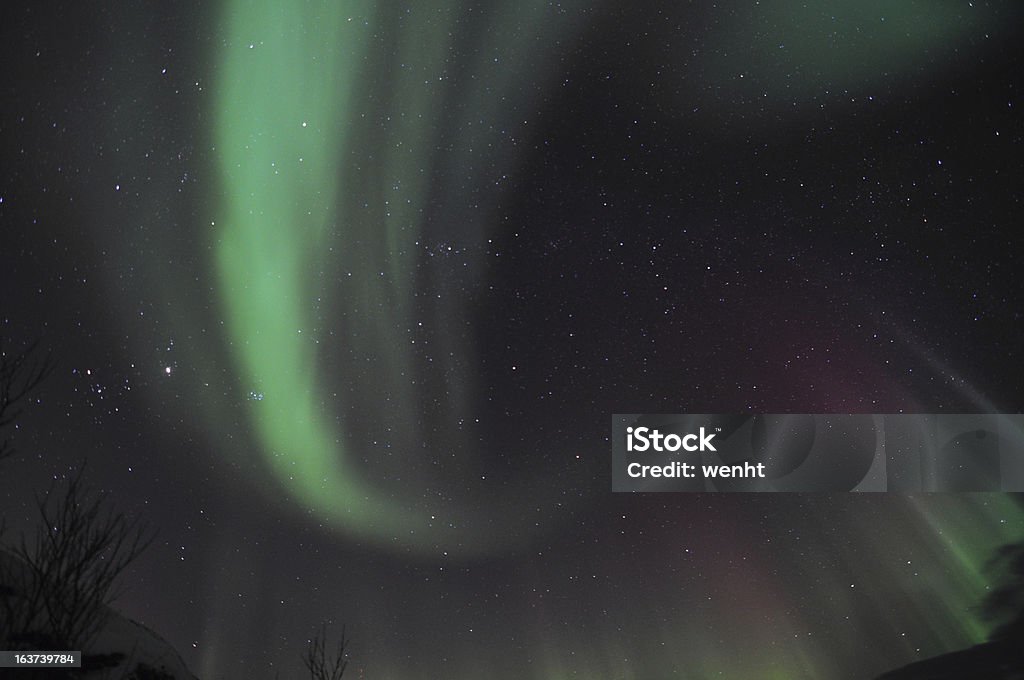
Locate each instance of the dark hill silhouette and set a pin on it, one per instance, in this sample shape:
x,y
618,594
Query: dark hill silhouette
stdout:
x,y
1002,657
1003,660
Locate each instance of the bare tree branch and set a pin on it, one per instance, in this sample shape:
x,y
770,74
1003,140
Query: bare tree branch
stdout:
x,y
72,566
317,661
20,373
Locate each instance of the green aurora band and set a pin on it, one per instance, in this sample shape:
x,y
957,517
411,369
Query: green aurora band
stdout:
x,y
287,79
294,101
293,108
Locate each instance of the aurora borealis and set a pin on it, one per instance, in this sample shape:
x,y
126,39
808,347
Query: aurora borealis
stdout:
x,y
286,225
343,294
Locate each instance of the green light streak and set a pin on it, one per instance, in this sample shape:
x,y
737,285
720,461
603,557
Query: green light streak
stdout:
x,y
806,58
955,527
287,76
328,118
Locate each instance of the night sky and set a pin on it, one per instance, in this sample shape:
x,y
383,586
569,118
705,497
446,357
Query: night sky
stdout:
x,y
342,296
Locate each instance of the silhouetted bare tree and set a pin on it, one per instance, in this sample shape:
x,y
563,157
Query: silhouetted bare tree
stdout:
x,y
1005,605
20,373
57,583
320,664
70,568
